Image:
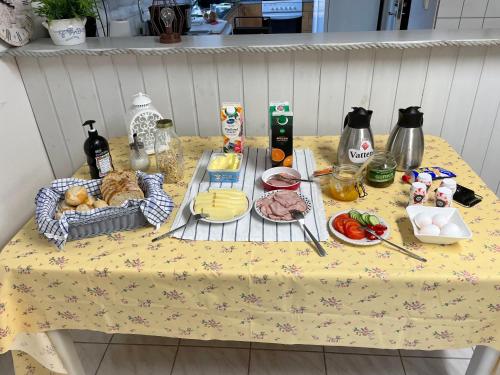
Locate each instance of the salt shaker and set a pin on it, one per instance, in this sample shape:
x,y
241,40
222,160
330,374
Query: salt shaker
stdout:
x,y
139,159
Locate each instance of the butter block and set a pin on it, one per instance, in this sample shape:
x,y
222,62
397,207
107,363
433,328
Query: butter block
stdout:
x,y
229,162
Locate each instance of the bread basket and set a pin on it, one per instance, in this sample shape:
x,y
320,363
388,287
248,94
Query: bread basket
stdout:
x,y
73,225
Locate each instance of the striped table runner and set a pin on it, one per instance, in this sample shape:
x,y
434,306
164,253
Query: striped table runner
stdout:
x,y
252,227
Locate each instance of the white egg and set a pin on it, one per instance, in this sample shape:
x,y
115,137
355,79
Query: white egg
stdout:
x,y
451,230
430,230
422,219
440,220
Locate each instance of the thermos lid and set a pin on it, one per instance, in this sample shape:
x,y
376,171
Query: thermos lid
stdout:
x,y
358,118
410,117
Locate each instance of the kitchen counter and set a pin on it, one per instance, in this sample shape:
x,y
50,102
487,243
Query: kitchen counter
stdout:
x,y
264,43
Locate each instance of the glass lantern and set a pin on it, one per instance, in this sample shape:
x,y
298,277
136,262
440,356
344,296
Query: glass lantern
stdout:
x,y
141,120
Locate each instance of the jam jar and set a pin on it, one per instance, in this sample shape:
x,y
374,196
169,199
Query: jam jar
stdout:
x,y
345,185
381,170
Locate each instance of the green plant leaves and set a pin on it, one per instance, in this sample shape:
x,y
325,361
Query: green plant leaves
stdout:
x,y
63,9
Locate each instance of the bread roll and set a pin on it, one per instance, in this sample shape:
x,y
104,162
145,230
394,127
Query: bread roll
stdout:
x,y
99,203
83,207
90,201
76,195
63,206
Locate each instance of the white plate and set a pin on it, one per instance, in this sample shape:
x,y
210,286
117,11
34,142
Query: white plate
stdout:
x,y
364,241
207,220
453,216
259,212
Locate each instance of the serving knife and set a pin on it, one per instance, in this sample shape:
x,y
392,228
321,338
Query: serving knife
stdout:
x,y
400,248
195,219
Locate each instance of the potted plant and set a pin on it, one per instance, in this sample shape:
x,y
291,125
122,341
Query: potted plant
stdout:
x,y
65,19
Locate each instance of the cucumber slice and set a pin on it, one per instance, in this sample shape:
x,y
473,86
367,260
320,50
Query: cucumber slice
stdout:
x,y
365,218
353,214
373,220
357,218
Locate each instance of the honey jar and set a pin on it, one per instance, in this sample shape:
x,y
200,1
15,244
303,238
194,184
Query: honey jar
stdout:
x,y
344,184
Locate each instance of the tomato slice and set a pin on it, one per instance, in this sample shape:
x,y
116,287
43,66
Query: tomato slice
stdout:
x,y
351,224
337,225
338,222
355,233
342,216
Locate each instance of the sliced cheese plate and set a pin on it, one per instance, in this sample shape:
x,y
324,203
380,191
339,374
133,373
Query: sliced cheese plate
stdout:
x,y
224,205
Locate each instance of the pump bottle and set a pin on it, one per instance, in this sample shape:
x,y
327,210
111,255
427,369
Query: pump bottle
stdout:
x,y
96,148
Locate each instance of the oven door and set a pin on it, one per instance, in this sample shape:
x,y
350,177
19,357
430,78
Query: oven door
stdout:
x,y
283,23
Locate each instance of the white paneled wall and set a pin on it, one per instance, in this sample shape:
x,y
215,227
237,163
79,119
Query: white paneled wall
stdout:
x,y
468,14
456,86
25,164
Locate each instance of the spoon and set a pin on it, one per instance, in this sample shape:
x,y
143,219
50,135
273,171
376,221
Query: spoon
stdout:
x,y
299,216
195,219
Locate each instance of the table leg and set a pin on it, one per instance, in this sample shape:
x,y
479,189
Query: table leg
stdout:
x,y
66,350
483,361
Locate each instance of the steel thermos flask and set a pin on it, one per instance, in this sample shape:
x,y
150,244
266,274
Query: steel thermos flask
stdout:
x,y
406,141
356,141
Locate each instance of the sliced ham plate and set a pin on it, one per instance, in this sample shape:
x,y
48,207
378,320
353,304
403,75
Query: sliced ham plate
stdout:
x,y
276,205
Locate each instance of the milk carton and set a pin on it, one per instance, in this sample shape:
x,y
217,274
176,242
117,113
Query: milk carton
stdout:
x,y
231,116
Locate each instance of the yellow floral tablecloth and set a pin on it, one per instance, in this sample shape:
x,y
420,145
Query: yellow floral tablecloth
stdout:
x,y
269,292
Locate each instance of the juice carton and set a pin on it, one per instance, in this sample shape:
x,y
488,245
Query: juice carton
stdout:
x,y
281,139
231,116
277,107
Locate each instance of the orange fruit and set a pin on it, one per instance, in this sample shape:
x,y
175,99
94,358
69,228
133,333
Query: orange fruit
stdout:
x,y
288,162
277,154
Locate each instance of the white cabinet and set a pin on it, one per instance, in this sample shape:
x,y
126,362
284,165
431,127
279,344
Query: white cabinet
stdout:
x,y
450,8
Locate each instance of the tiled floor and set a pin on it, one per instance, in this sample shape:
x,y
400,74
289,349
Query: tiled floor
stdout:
x,y
104,354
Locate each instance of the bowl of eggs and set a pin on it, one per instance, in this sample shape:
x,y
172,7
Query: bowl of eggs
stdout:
x,y
439,225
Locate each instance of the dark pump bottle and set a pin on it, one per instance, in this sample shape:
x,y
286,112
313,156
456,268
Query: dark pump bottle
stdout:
x,y
97,150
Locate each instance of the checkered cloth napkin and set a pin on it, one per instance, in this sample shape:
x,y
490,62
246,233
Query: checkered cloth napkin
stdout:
x,y
155,207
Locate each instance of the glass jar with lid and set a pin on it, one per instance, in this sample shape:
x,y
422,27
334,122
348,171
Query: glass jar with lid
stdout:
x,y
346,184
381,169
168,151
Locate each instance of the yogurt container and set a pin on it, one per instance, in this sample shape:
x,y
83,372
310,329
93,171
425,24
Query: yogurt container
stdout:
x,y
418,193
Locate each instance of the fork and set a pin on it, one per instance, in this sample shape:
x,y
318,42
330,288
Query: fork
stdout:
x,y
290,179
299,216
196,217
